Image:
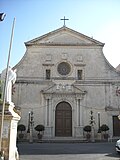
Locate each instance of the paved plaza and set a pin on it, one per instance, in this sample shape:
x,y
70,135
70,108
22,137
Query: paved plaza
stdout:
x,y
68,151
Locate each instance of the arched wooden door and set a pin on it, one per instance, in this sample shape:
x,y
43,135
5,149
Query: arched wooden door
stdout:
x,y
63,120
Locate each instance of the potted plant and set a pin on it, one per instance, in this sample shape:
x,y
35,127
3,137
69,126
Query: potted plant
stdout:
x,y
40,128
104,128
88,130
21,128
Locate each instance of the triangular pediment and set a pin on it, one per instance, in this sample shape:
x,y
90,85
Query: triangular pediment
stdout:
x,y
64,36
63,88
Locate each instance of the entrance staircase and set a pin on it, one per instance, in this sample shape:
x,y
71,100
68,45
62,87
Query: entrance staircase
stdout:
x,y
63,140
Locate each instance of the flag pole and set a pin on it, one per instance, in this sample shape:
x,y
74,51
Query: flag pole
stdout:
x,y
5,83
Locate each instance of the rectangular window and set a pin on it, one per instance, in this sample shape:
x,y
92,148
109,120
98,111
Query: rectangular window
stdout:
x,y
47,73
79,74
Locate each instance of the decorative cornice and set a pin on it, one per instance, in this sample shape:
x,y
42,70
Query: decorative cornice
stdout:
x,y
62,44
63,94
39,80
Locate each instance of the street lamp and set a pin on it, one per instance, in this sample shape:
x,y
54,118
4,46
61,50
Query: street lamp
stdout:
x,y
92,122
98,120
31,122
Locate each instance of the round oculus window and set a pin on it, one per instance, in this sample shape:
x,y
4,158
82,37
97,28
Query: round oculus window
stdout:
x,y
64,68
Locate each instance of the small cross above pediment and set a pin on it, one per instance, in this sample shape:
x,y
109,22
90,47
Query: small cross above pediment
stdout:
x,y
64,19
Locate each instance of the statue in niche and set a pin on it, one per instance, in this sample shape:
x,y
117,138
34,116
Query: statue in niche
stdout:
x,y
11,78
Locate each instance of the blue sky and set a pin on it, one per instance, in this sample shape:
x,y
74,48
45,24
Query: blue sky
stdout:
x,y
99,19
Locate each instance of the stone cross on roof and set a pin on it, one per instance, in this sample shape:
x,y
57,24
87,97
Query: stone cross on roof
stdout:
x,y
64,19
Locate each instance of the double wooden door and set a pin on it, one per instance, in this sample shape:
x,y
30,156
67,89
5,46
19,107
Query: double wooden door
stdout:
x,y
116,126
63,120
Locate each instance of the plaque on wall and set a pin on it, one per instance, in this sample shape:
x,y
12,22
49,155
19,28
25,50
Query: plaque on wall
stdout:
x,y
5,130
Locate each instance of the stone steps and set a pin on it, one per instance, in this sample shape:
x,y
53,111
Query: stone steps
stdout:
x,y
62,140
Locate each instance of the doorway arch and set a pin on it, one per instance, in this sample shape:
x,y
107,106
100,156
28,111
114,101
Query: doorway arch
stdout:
x,y
63,120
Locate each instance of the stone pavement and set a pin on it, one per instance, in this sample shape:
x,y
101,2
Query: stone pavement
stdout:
x,y
69,157
70,151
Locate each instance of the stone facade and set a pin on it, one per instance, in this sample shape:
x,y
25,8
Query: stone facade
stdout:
x,y
67,68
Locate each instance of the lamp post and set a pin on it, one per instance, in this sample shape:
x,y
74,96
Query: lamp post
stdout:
x,y
31,122
98,120
92,122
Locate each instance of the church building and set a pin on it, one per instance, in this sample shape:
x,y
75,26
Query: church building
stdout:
x,y
62,77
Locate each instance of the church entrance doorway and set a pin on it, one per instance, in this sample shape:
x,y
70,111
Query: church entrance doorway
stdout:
x,y
116,126
63,120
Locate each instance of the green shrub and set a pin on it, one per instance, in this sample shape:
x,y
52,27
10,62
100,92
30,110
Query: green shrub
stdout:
x,y
87,128
39,128
104,128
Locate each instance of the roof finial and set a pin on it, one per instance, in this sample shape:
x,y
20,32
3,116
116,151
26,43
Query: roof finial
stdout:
x,y
64,19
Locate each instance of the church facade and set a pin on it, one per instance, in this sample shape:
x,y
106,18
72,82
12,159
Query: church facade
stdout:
x,y
62,77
